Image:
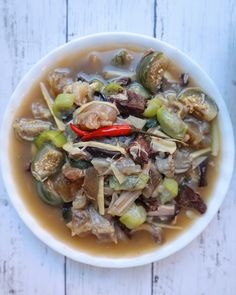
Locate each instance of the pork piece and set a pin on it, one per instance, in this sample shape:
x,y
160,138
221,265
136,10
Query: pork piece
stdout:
x,y
90,184
65,188
28,129
72,173
140,150
164,212
58,79
96,115
190,199
133,105
102,228
80,200
89,221
155,178
82,90
40,111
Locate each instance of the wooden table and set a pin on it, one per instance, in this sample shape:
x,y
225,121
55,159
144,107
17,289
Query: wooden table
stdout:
x,y
204,29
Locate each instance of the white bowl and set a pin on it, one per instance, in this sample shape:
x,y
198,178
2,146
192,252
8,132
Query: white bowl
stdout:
x,y
226,165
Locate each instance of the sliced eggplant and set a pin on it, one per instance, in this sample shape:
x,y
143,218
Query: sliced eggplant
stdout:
x,y
47,162
199,104
47,196
150,70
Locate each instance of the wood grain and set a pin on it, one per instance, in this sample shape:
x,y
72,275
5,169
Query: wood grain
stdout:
x,y
27,266
206,31
203,29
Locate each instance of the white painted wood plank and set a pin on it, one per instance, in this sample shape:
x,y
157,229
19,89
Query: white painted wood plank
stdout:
x,y
92,16
28,30
87,17
206,31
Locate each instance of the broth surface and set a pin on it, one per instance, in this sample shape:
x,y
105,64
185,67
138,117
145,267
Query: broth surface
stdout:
x,y
49,217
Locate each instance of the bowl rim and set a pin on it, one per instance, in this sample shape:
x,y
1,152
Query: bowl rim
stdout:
x,y
182,240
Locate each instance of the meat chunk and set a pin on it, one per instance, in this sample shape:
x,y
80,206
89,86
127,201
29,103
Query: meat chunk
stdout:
x,y
89,221
82,90
96,115
40,111
140,150
134,105
28,129
72,173
58,79
191,199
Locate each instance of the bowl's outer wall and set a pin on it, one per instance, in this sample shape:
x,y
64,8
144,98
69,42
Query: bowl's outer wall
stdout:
x,y
120,39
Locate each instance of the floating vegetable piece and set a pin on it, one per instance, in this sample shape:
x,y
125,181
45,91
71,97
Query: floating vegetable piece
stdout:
x,y
121,58
28,129
131,183
100,196
54,137
119,205
100,145
40,111
112,88
150,70
63,105
171,124
138,89
168,190
137,122
49,101
134,217
47,162
199,103
163,145
48,197
215,138
111,74
91,183
153,105
200,153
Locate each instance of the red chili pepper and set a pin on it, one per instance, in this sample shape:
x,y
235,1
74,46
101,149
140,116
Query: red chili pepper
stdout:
x,y
78,131
115,130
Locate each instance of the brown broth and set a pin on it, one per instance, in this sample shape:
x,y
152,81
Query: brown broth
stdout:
x,y
49,217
